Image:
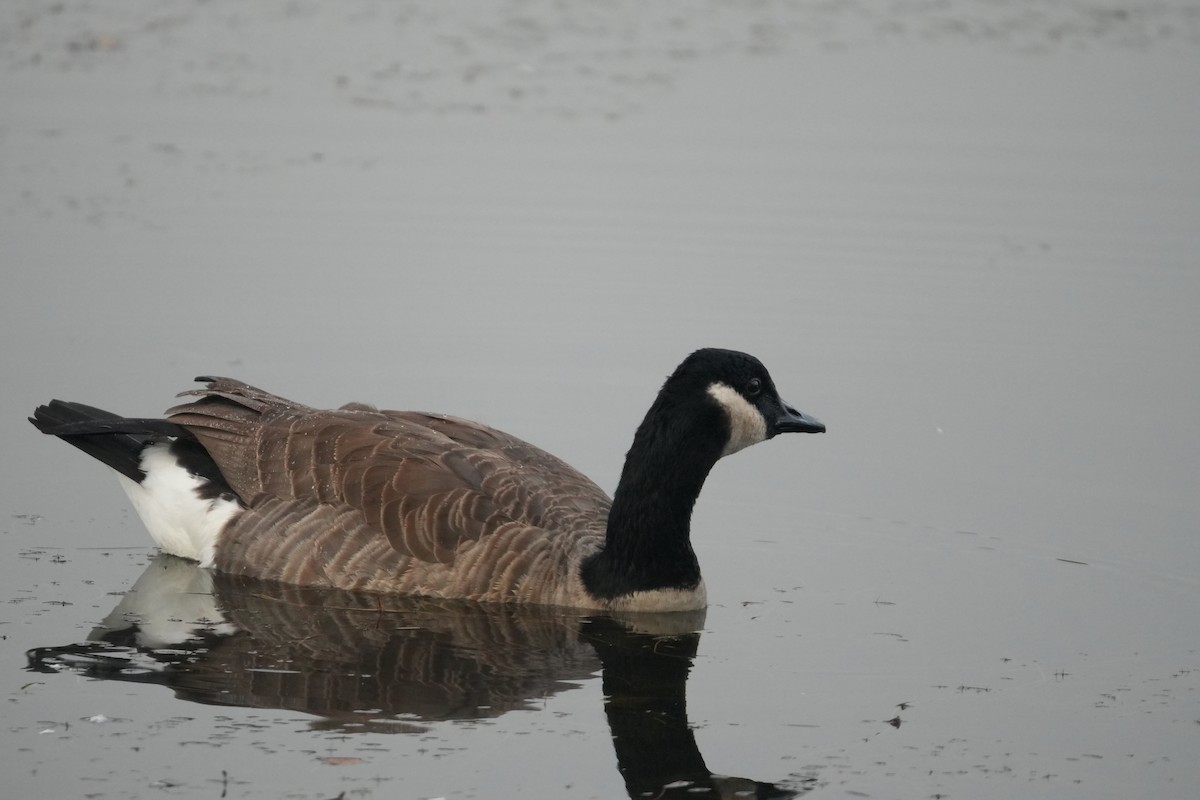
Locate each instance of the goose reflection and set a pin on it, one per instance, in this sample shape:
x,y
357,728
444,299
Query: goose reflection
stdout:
x,y
394,664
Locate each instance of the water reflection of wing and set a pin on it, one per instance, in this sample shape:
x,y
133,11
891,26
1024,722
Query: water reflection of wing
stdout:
x,y
356,660
389,664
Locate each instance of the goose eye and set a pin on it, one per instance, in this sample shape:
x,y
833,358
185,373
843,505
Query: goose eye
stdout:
x,y
754,387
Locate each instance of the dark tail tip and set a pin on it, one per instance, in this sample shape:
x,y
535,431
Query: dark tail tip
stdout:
x,y
58,415
112,439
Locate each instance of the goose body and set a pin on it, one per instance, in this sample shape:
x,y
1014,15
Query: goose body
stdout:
x,y
357,498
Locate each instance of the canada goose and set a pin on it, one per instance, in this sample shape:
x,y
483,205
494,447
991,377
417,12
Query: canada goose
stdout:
x,y
413,503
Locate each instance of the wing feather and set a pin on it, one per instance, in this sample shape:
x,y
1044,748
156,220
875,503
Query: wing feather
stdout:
x,y
353,496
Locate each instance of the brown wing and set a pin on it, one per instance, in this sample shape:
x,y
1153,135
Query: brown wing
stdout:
x,y
429,484
526,483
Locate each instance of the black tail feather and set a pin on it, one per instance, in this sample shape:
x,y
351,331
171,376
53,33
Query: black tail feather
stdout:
x,y
111,439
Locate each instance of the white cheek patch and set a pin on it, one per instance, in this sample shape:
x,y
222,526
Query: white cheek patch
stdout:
x,y
747,425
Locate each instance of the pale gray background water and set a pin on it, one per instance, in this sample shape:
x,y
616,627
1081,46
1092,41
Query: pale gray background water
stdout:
x,y
964,234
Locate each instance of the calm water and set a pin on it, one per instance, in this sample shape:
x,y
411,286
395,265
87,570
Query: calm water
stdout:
x,y
965,235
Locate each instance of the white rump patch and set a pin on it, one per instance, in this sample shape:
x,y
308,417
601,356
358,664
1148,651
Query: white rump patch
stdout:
x,y
181,522
169,603
747,425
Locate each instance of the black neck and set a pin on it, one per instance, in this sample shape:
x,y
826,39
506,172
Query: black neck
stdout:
x,y
648,542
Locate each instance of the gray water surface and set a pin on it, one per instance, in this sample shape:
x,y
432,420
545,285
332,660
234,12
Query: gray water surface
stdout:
x,y
965,235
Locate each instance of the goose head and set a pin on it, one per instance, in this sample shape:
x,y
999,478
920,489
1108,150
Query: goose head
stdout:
x,y
726,399
753,410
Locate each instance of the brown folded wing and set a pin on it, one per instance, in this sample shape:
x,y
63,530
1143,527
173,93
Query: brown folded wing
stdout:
x,y
360,498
